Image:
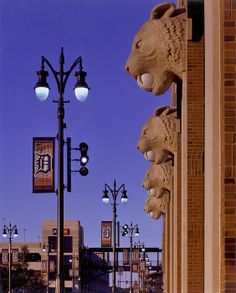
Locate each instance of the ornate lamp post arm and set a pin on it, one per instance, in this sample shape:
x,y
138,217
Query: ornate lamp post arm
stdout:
x,y
122,186
108,187
63,75
76,62
54,72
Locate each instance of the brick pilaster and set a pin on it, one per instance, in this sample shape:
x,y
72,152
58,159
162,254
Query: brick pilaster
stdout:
x,y
194,147
228,200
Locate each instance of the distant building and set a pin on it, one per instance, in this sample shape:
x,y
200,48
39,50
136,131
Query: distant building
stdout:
x,y
43,257
34,249
73,246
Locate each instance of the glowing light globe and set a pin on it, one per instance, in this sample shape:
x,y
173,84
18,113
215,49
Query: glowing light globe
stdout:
x,y
42,93
81,93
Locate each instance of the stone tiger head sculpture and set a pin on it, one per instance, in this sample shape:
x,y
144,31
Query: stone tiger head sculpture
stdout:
x,y
158,180
158,137
155,207
157,56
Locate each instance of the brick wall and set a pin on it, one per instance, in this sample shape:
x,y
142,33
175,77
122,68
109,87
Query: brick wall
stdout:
x,y
195,172
163,261
228,208
178,216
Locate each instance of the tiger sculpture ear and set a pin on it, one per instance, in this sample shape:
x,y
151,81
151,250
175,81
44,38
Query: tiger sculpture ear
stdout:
x,y
164,110
163,10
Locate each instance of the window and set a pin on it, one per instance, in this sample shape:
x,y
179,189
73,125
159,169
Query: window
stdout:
x,y
68,246
52,243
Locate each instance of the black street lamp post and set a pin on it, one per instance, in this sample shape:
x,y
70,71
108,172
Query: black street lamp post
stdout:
x,y
114,192
81,91
7,232
131,230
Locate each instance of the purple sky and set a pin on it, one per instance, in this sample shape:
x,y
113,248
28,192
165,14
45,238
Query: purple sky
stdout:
x,y
110,121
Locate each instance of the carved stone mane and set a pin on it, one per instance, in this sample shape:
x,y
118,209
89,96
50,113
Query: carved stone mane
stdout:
x,y
172,36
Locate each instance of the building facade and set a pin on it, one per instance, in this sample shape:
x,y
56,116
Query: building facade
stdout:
x,y
191,143
34,249
73,246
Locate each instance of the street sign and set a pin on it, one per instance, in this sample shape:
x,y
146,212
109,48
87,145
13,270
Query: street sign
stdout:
x,y
135,256
125,256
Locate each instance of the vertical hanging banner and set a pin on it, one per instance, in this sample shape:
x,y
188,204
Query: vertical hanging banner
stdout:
x,y
44,266
142,266
125,256
135,256
106,233
4,256
51,266
15,253
43,164
135,268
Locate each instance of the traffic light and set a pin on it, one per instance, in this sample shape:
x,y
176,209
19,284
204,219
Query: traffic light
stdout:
x,y
83,147
83,160
125,230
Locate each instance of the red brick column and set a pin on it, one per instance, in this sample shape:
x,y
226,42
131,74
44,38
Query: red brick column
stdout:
x,y
228,208
178,214
194,146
